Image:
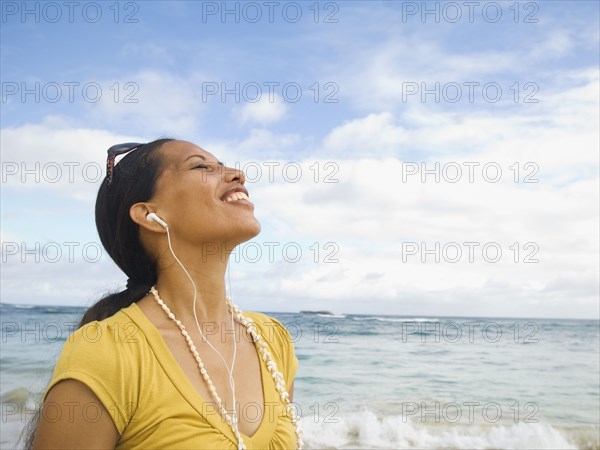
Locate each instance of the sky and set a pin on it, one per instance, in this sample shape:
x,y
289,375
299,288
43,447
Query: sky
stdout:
x,y
407,158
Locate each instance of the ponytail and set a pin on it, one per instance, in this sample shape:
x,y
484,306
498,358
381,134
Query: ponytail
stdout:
x,y
112,303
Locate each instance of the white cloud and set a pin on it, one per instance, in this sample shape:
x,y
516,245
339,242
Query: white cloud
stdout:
x,y
55,158
432,53
371,213
376,134
158,102
265,111
65,281
259,143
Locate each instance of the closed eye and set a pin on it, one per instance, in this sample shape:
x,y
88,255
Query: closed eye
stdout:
x,y
209,165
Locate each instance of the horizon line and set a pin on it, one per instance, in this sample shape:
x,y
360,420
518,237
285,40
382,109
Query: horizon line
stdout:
x,y
344,313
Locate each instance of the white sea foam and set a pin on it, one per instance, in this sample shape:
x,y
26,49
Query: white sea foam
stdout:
x,y
366,430
394,319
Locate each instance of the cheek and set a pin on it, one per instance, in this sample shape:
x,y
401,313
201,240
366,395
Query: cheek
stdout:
x,y
205,210
190,207
194,197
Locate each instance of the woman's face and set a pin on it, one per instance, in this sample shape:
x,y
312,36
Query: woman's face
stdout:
x,y
201,200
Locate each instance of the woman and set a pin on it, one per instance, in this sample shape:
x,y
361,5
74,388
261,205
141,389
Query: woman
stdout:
x,y
162,364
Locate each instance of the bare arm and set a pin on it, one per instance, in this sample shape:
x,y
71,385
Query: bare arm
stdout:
x,y
74,418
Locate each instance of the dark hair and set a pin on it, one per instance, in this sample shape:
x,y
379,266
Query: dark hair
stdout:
x,y
134,180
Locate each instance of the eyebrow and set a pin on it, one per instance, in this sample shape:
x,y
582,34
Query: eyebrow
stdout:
x,y
204,158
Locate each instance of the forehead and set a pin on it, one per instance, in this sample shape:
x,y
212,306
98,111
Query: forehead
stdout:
x,y
176,154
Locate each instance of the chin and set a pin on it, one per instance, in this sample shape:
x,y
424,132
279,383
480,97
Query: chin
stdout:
x,y
245,231
252,230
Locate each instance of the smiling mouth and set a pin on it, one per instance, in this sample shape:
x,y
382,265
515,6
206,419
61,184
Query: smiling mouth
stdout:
x,y
235,196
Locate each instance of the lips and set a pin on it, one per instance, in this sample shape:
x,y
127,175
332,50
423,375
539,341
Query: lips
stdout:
x,y
237,193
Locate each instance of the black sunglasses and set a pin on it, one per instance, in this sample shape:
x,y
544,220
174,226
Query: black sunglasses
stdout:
x,y
115,151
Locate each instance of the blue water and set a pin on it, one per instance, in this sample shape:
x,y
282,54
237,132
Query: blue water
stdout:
x,y
388,381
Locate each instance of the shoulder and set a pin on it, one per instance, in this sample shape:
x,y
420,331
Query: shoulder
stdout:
x,y
104,356
280,342
104,350
271,329
97,338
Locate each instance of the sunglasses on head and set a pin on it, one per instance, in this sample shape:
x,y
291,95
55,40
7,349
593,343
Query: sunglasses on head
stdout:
x,y
115,151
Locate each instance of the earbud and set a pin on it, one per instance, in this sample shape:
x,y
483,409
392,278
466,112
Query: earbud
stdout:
x,y
152,217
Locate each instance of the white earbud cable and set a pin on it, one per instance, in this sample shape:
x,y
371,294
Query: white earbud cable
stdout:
x,y
231,380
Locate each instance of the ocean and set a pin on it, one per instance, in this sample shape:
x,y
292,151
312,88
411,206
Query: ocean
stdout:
x,y
393,382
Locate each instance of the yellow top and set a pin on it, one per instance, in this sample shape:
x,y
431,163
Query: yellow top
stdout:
x,y
125,361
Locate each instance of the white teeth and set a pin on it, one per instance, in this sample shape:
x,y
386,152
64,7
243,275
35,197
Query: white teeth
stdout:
x,y
236,196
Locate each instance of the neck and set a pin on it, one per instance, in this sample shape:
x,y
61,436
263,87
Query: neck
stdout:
x,y
208,274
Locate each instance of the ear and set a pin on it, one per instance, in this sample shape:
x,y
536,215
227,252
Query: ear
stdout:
x,y
138,213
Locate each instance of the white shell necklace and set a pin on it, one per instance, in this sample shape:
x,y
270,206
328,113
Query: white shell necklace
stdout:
x,y
265,356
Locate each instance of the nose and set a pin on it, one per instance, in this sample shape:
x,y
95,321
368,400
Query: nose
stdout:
x,y
233,175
